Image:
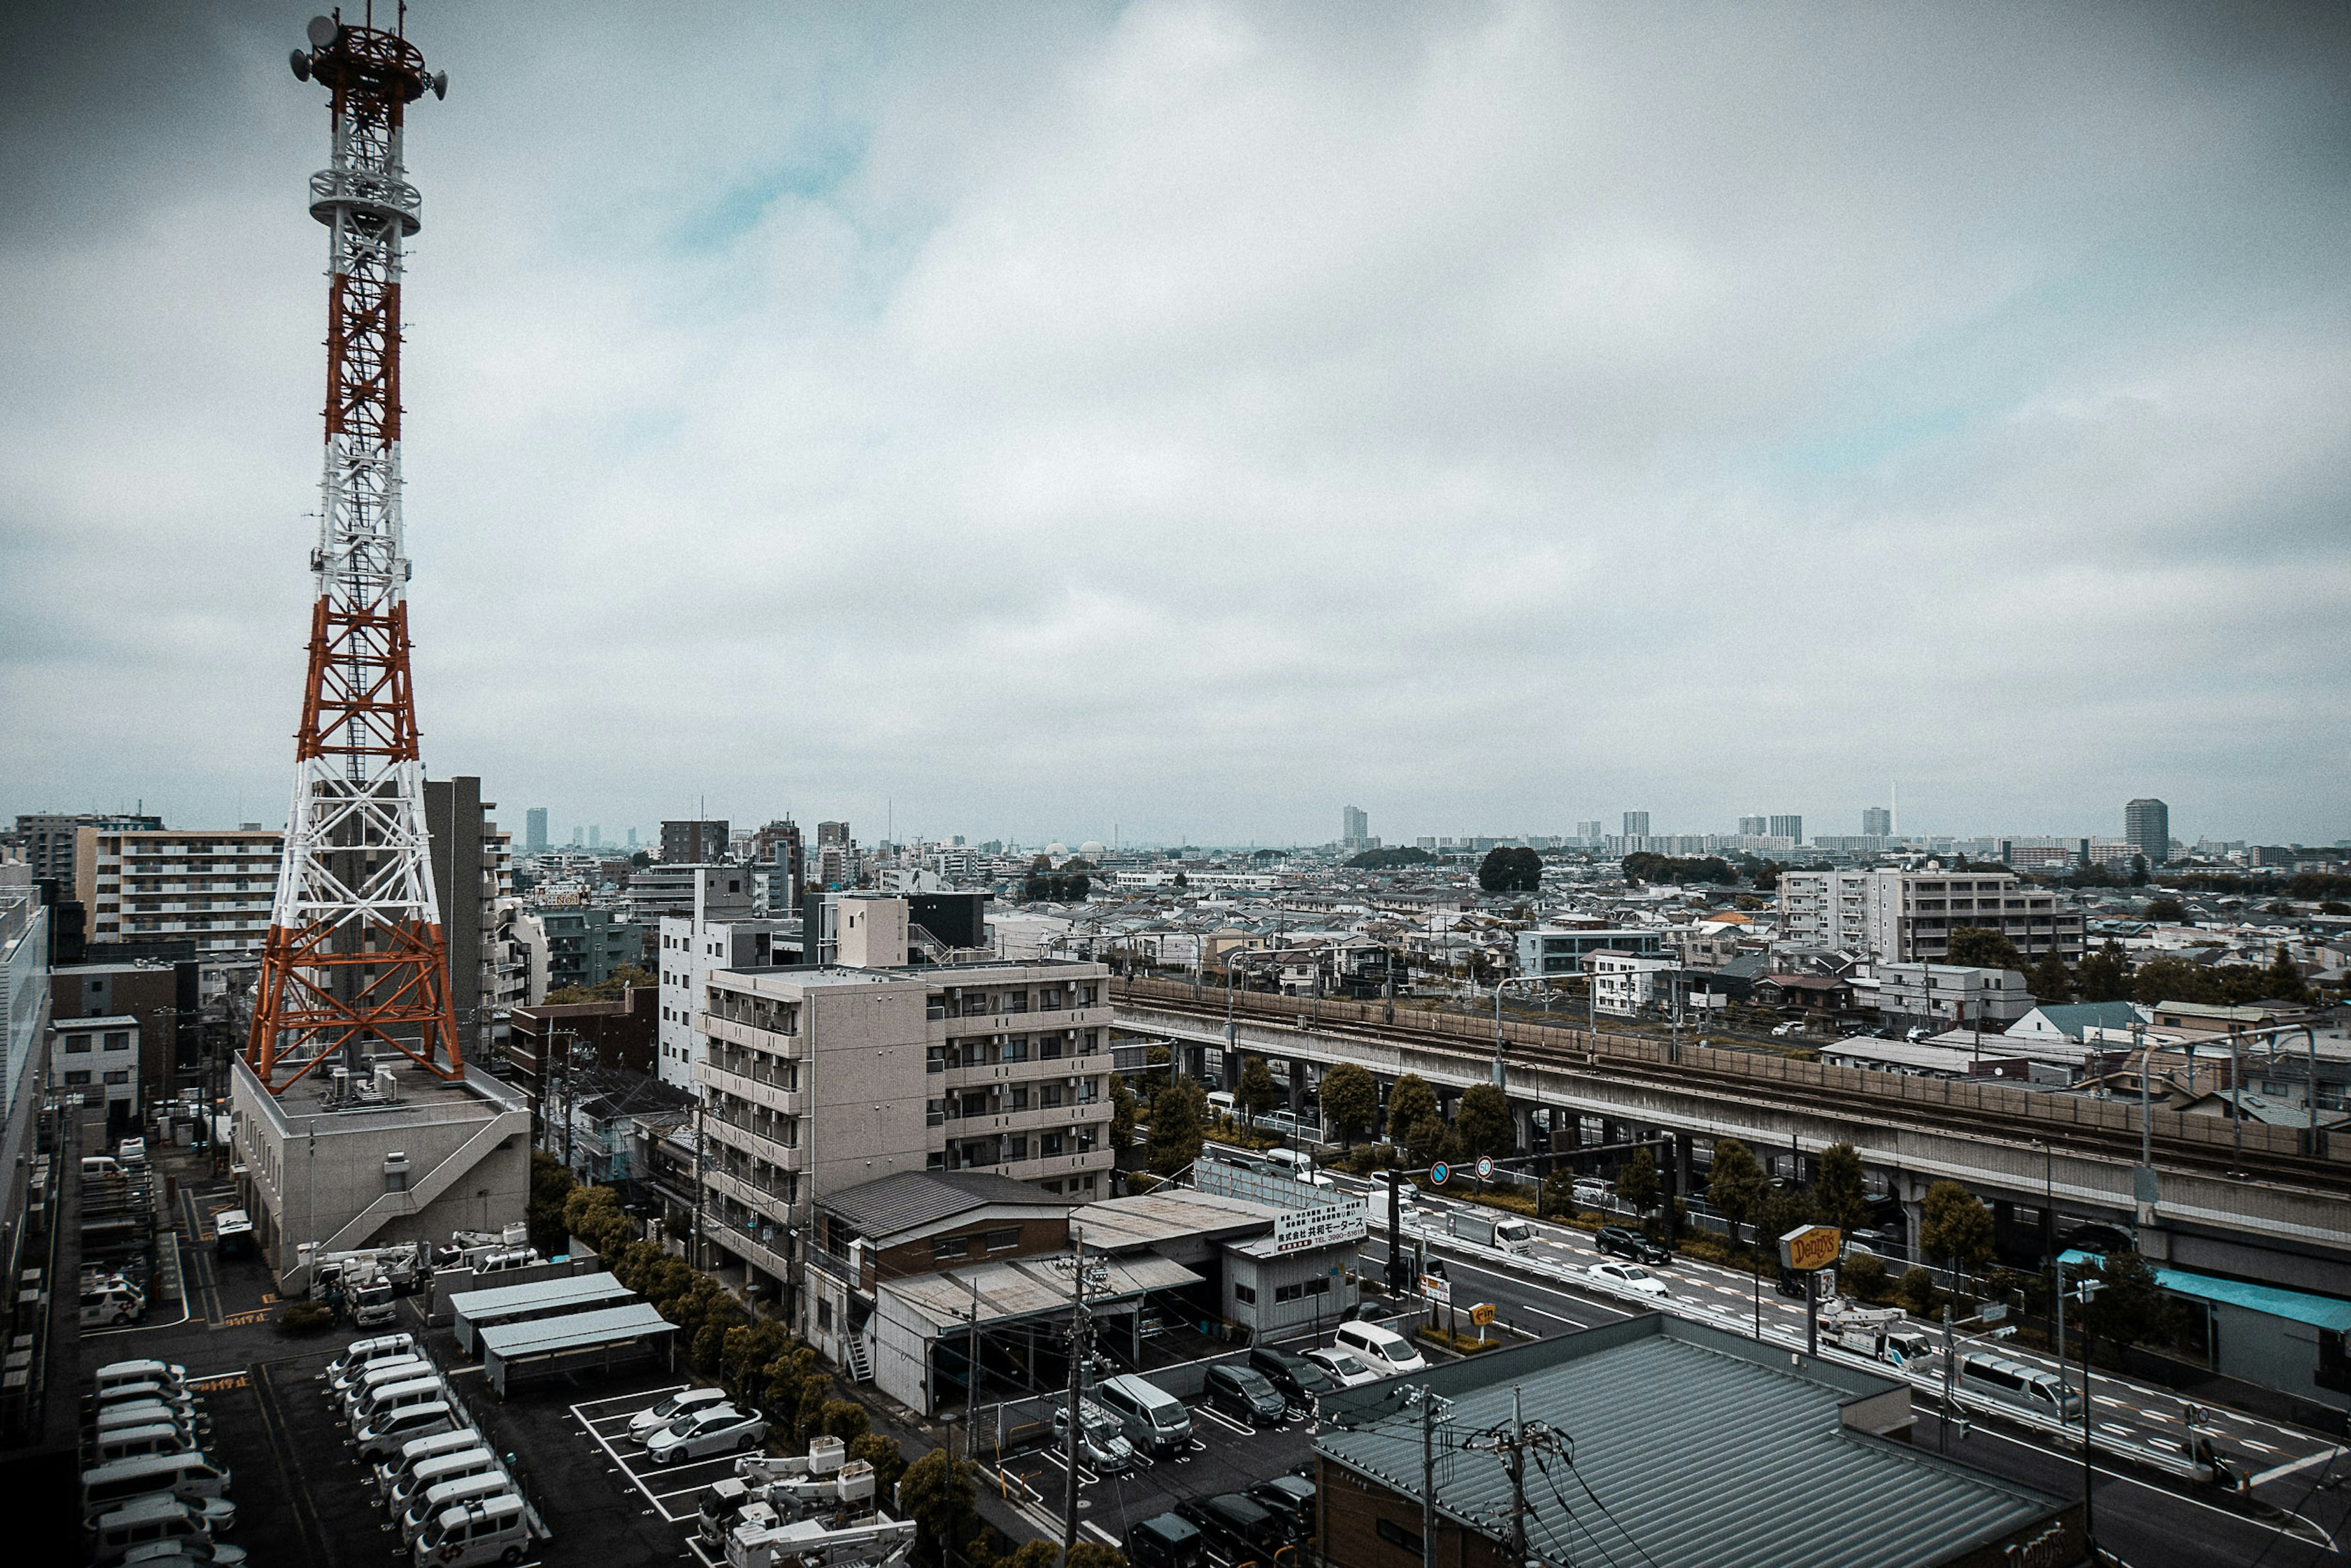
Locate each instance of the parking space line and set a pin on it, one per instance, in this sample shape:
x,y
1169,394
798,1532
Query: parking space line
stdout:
x,y
1099,1534
1221,1419
634,1478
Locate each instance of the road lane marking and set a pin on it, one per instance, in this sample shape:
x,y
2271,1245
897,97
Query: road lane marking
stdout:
x,y
2324,1455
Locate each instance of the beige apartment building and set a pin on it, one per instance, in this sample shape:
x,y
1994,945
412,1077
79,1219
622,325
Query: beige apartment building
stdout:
x,y
814,1080
1912,914
212,885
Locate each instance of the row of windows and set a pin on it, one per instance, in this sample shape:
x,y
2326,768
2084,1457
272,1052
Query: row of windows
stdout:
x,y
116,1039
945,1249
81,1079
1320,1285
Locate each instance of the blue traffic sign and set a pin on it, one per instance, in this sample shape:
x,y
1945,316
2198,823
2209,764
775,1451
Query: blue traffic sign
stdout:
x,y
1439,1172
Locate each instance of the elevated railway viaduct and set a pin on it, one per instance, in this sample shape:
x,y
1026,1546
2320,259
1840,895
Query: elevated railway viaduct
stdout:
x,y
2263,1202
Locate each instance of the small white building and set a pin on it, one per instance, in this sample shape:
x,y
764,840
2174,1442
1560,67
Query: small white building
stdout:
x,y
1624,983
98,1059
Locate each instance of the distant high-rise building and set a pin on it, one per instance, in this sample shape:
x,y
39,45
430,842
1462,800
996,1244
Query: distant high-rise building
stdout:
x,y
595,837
694,842
579,837
2146,823
1788,828
1354,825
1588,831
632,838
830,834
778,845
45,839
1636,824
1754,827
1876,822
534,841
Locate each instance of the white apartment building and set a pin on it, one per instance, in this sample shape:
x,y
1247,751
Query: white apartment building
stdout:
x,y
1825,909
1951,996
1624,983
215,887
98,1058
815,1080
723,931
1911,914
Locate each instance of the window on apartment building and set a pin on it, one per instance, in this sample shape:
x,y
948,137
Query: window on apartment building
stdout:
x,y
118,1039
1088,1088
945,1249
1245,1295
77,1080
122,1076
975,1104
934,1060
1020,1101
1017,1049
1093,1039
1004,1240
1048,1095
824,1312
76,1043
1016,1147
1050,1144
937,1161
1049,1048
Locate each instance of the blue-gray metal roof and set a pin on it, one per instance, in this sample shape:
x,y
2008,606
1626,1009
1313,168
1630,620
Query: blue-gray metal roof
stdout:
x,y
582,1289
1692,1449
574,1330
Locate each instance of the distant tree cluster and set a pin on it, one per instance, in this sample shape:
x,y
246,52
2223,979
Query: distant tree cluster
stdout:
x,y
2305,885
1510,871
1643,866
1390,858
1055,887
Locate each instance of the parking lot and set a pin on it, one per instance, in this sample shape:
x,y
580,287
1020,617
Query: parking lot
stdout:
x,y
1225,1455
673,1491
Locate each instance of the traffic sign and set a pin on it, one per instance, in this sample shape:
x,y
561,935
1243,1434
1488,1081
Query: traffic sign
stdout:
x,y
1437,1290
1483,1313
1438,1172
1485,1168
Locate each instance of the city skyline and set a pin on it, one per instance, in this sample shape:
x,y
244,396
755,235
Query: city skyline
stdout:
x,y
1243,424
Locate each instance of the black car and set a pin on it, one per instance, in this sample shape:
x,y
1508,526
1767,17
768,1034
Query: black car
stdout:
x,y
1245,1396
1623,1241
1292,1499
1298,1379
1165,1541
1238,1524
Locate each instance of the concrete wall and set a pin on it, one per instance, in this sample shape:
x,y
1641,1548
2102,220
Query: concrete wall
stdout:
x,y
866,1116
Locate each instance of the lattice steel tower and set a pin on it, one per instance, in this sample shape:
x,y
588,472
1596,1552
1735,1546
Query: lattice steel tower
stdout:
x,y
354,958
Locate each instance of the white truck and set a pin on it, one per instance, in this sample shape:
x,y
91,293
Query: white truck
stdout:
x,y
825,1479
1882,1333
841,1528
397,1267
1507,1232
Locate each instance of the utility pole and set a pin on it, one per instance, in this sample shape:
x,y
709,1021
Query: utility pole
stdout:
x,y
1080,1346
971,1376
1511,1444
1428,1478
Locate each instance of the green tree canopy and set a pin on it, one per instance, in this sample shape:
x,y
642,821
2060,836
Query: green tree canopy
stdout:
x,y
1636,1181
1094,1554
1644,865
1510,870
1256,1092
1840,1190
937,1496
1179,1119
1735,1183
2129,1308
1955,1227
2163,907
1122,1114
1389,859
1979,947
2104,976
1351,1098
2051,983
1483,1120
2281,981
1410,1099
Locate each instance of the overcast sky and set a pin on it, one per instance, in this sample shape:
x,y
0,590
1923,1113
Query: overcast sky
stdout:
x,y
1186,419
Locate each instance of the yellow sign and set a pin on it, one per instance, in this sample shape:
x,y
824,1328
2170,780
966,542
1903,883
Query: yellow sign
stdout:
x,y
1814,1246
1483,1313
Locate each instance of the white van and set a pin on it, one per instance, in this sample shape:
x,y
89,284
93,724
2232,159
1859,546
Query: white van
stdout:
x,y
1290,1162
2019,1383
1383,1350
99,1166
383,1374
415,1452
137,1442
187,1408
490,1531
109,1304
387,1397
126,1414
152,1519
344,1368
1155,1420
449,1494
115,1374
430,1473
388,1435
1221,1102
190,1476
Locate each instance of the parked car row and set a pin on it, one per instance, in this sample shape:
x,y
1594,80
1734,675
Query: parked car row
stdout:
x,y
694,1425
451,1497
1249,1526
149,1493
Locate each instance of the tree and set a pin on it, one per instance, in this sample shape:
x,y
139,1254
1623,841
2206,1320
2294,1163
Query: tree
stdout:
x,y
1179,1119
1483,1120
1121,1115
2139,871
1094,1554
1766,876
1351,1098
550,1189
1783,1209
2282,981
1955,1227
2104,976
1735,1185
1510,870
641,859
1182,882
1839,1193
1424,1137
2052,985
1979,948
1035,1554
889,1462
936,1493
2129,1308
1410,1099
1256,1092
1636,1181
1389,859
2164,908
2171,980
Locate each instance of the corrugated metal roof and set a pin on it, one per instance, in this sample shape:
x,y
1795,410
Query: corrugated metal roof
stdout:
x,y
1698,1451
1168,1214
575,1330
583,1288
1030,1287
890,1204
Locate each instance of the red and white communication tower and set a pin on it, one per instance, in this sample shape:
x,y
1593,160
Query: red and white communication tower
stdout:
x,y
355,957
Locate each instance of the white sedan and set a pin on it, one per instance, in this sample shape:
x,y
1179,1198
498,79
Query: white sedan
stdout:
x,y
645,1423
1344,1369
714,1429
1628,1277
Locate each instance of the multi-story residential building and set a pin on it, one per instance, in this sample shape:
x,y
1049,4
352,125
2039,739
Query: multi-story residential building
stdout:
x,y
1636,824
45,841
1552,950
24,1007
1754,827
832,833
1912,914
215,887
694,842
818,1079
98,1058
163,1002
777,849
2146,823
1825,909
1588,831
1624,983
664,888
1788,828
1950,996
534,831
1355,826
584,946
721,930
1876,822
497,952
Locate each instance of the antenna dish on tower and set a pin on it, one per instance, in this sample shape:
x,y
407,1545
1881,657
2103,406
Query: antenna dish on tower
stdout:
x,y
440,81
300,62
323,31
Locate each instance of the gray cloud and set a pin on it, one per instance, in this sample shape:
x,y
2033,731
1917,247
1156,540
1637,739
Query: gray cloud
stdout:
x,y
1189,415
